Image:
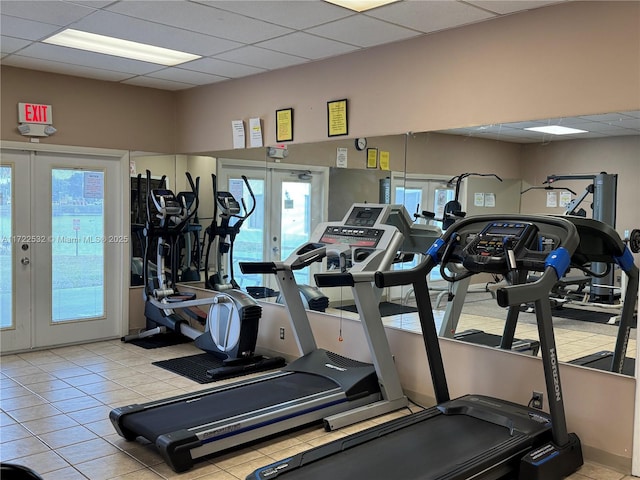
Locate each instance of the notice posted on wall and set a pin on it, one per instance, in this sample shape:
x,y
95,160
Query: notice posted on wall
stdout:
x,y
237,127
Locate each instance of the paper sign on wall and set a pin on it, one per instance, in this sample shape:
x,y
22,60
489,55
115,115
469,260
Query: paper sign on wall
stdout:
x,y
237,127
341,157
255,132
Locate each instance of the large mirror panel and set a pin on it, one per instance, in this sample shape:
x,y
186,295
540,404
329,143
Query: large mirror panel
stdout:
x,y
593,174
488,169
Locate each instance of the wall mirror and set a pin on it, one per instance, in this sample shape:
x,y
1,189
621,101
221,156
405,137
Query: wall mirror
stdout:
x,y
554,174
295,193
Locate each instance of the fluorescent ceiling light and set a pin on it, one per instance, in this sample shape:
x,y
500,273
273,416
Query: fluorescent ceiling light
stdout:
x,y
118,47
360,5
556,130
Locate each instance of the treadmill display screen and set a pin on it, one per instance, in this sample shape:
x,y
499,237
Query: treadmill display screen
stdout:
x,y
363,216
505,229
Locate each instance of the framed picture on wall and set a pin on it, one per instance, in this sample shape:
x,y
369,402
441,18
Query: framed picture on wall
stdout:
x,y
337,119
372,158
284,125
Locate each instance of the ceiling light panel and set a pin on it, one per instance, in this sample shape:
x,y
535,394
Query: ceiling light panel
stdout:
x,y
151,33
92,42
73,56
556,130
360,5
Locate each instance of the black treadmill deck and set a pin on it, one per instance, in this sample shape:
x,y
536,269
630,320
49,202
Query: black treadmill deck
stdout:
x,y
602,361
428,445
151,423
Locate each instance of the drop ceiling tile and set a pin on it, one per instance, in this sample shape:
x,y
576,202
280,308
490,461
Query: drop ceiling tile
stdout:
x,y
26,29
64,69
605,117
134,29
298,15
93,60
429,16
363,31
504,7
157,83
11,44
47,11
191,77
307,46
200,18
261,58
221,68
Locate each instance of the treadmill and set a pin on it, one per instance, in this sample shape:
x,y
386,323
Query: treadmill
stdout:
x,y
474,436
320,386
601,243
418,239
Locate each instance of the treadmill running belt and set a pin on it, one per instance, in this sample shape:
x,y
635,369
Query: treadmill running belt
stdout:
x,y
185,414
432,449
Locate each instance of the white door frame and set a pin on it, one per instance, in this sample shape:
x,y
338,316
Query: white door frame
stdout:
x,y
121,295
268,169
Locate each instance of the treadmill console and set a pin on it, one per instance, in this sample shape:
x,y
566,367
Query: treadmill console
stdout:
x,y
496,247
355,237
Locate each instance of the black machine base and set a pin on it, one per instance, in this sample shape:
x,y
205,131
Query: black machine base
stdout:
x,y
235,368
603,361
551,461
530,347
355,378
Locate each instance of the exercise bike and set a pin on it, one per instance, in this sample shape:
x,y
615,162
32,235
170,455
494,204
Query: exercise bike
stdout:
x,y
231,323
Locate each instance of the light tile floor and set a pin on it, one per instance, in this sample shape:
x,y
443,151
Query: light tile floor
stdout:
x,y
54,407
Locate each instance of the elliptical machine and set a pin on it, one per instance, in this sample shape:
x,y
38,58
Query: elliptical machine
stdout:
x,y
224,234
189,247
232,214
231,324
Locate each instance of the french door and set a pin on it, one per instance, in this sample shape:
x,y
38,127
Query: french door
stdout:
x,y
62,247
291,202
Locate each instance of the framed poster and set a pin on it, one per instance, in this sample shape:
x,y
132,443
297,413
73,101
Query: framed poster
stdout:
x,y
372,158
337,118
284,125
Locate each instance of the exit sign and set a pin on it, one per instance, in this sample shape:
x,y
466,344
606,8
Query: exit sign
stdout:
x,y
35,113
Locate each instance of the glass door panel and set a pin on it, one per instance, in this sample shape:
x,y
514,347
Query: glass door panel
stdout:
x,y
15,248
78,247
63,248
6,248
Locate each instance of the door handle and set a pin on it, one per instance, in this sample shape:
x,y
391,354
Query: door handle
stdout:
x,y
25,260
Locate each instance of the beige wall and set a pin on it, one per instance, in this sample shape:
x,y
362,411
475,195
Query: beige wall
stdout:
x,y
90,113
563,60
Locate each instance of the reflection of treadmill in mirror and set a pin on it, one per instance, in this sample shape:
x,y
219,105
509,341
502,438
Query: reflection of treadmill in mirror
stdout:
x,y
473,436
601,244
494,240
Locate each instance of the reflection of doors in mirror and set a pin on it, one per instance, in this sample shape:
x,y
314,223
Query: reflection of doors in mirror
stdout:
x,y
420,193
290,204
